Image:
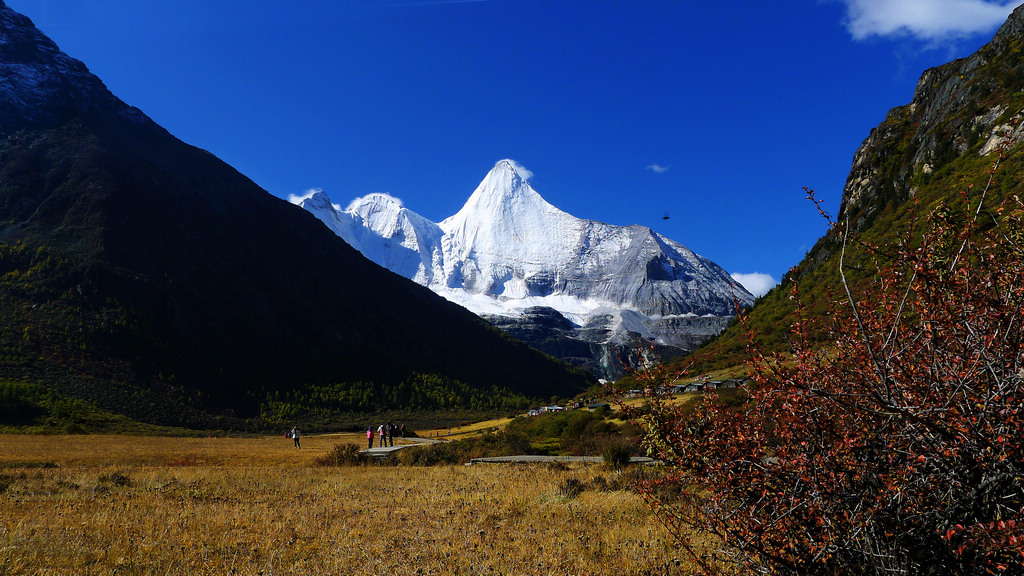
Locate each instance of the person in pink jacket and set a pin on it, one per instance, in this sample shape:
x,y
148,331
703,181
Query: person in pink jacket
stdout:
x,y
369,437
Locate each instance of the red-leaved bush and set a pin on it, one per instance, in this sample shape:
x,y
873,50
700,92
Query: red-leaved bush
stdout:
x,y
896,449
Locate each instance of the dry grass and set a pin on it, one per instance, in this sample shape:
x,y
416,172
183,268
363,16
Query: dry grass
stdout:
x,y
460,432
130,505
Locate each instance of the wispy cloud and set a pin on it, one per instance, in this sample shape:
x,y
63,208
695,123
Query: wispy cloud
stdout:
x,y
928,20
756,283
521,170
658,168
297,198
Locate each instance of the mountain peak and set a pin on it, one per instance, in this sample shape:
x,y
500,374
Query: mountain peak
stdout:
x,y
43,87
505,213
1012,28
379,211
513,169
505,195
375,201
506,179
315,198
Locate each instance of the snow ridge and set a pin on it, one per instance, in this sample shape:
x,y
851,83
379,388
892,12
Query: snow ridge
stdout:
x,y
508,250
505,235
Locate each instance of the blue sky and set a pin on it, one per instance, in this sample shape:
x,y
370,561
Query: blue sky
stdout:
x,y
714,113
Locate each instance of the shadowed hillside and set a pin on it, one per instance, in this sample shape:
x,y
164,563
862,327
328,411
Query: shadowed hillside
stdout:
x,y
147,277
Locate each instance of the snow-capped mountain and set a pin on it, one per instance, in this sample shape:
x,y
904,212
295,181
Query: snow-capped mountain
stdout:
x,y
508,252
383,230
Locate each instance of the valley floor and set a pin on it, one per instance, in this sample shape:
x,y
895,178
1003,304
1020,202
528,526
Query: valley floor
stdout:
x,y
153,505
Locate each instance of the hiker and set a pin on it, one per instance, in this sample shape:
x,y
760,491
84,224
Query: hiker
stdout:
x,y
369,437
380,433
403,430
295,436
391,434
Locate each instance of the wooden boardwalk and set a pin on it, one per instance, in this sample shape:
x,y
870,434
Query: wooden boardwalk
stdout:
x,y
383,451
528,459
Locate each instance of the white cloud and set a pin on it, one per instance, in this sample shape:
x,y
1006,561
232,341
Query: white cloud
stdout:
x,y
377,198
756,283
929,20
522,171
295,198
658,168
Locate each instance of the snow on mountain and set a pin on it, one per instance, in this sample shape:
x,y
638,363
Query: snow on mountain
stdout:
x,y
506,241
508,251
383,230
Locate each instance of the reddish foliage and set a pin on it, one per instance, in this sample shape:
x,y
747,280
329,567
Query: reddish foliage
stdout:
x,y
899,449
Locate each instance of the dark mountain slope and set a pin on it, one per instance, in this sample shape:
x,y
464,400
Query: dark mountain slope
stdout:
x,y
134,262
935,151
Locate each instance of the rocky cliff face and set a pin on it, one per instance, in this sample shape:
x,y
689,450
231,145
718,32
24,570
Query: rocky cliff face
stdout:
x,y
956,107
934,152
608,343
42,86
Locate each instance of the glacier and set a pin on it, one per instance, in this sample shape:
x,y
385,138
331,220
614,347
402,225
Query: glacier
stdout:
x,y
510,256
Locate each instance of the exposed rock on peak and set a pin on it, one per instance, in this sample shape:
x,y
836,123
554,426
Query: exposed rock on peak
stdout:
x,y
1012,28
955,106
319,198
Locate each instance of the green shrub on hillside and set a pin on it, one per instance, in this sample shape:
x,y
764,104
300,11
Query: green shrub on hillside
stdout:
x,y
501,443
418,392
574,432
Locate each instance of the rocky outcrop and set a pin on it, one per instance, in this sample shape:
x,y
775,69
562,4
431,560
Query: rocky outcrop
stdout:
x,y
965,105
41,86
602,346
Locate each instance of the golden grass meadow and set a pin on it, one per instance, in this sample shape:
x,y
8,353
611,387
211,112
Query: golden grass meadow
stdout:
x,y
159,505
